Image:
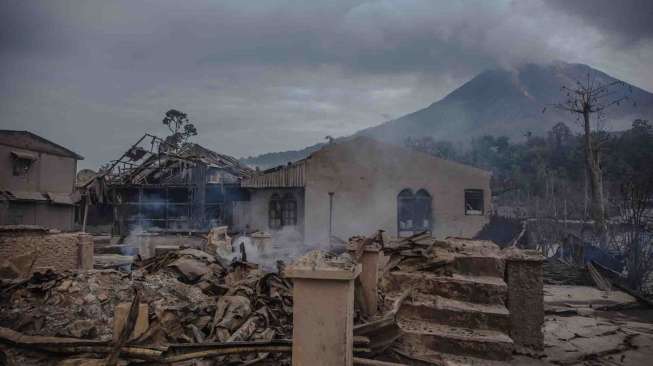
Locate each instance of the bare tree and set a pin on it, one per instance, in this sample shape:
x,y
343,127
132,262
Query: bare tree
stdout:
x,y
589,100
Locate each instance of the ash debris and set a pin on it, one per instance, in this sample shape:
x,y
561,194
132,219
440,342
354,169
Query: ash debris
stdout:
x,y
190,299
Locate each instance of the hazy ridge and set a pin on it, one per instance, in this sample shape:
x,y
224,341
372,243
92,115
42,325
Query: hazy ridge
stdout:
x,y
495,102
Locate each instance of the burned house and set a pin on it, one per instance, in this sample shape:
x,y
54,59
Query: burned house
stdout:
x,y
37,179
354,186
360,185
154,187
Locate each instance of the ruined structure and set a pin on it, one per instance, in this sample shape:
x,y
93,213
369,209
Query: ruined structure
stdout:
x,y
153,186
25,249
343,189
37,179
467,298
361,185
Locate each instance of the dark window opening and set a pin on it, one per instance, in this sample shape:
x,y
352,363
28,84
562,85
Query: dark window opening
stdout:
x,y
179,195
22,162
22,166
275,221
405,207
283,211
474,202
413,212
422,210
289,210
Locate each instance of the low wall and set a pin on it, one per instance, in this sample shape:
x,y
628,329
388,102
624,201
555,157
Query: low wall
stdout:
x,y
23,246
148,242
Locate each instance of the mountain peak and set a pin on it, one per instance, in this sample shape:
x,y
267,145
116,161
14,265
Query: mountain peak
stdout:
x,y
499,102
508,102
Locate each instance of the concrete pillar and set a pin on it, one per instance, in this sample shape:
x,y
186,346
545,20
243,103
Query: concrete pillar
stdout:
x,y
369,279
323,316
525,297
85,252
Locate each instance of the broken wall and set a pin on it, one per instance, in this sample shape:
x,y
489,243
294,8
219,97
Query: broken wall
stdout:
x,y
59,251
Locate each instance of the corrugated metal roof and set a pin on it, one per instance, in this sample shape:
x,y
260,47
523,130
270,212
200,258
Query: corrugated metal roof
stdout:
x,y
61,198
56,198
290,176
24,196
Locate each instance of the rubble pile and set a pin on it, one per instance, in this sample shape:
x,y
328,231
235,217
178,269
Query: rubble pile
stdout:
x,y
189,296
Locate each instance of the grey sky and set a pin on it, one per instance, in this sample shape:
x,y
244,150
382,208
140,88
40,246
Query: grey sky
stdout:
x,y
261,76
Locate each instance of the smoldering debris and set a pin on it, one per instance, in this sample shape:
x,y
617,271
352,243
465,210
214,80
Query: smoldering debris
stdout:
x,y
189,298
179,305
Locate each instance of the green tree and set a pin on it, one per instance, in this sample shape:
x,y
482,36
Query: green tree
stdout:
x,y
180,127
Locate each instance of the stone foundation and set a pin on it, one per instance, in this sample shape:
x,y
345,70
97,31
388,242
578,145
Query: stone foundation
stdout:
x,y
36,248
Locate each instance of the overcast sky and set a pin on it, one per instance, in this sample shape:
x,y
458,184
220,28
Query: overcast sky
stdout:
x,y
262,76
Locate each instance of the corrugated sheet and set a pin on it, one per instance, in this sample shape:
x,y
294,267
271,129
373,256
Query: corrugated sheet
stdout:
x,y
61,198
24,196
284,177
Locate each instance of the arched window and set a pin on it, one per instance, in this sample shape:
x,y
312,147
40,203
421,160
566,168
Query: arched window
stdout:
x,y
405,208
274,213
422,210
413,212
289,210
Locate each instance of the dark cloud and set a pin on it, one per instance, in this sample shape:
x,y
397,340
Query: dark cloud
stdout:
x,y
281,73
629,20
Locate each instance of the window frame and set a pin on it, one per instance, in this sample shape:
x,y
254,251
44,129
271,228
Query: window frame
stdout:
x,y
288,210
423,212
412,210
470,212
21,166
275,218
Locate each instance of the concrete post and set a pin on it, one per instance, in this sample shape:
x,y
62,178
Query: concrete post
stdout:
x,y
525,297
323,316
369,279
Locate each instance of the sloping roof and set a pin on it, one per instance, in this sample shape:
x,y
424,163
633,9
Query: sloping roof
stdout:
x,y
291,175
294,174
37,143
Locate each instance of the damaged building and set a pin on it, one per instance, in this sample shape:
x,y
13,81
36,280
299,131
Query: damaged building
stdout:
x,y
345,188
160,188
360,185
37,181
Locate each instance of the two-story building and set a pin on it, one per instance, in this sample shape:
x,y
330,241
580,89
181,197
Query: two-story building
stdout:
x,y
37,181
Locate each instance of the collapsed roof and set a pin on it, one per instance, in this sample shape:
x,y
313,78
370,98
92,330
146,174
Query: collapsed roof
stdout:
x,y
153,161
